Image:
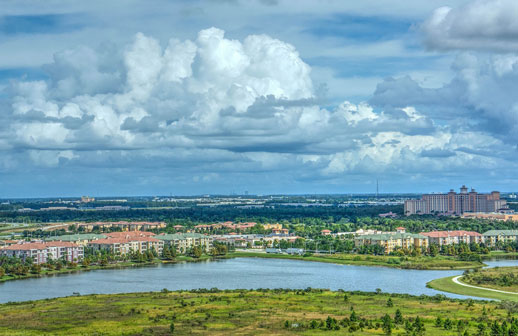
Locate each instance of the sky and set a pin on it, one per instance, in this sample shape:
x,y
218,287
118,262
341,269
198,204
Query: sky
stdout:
x,y
186,97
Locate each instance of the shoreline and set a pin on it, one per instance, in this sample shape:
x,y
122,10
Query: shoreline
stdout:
x,y
365,260
452,284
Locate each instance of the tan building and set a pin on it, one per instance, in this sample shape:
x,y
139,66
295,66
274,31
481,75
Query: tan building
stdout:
x,y
128,244
184,241
123,225
391,241
493,237
79,239
454,203
492,216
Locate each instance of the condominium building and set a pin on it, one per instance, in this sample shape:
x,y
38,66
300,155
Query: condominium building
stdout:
x,y
184,241
79,239
453,237
391,241
124,245
493,237
41,252
123,225
454,203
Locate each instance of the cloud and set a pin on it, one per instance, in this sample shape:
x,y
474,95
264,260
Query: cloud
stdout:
x,y
477,25
218,110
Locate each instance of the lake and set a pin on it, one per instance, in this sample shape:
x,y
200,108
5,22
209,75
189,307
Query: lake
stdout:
x,y
245,273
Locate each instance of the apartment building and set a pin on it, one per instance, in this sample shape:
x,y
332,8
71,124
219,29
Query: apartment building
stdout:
x,y
79,239
454,203
391,241
41,252
453,237
184,241
493,237
123,225
125,245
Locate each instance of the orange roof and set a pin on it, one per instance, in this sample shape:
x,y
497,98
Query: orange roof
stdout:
x,y
325,231
400,228
39,246
125,240
129,234
445,234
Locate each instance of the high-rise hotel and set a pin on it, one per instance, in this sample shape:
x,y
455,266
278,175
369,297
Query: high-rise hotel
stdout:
x,y
454,203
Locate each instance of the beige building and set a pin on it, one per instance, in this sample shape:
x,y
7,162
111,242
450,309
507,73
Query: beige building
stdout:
x,y
493,237
391,241
492,216
184,241
79,239
123,225
129,244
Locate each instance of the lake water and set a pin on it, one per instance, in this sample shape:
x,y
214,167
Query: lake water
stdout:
x,y
245,273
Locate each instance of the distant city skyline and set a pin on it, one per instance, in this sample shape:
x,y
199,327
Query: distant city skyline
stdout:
x,y
202,97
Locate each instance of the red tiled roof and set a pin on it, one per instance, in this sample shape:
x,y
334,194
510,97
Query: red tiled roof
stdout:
x,y
457,233
129,234
39,246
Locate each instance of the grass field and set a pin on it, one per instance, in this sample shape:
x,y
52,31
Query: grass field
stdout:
x,y
447,285
430,263
238,313
501,278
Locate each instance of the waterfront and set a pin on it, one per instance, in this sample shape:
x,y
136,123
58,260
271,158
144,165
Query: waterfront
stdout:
x,y
238,273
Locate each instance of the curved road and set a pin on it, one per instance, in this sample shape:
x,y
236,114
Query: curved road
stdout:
x,y
456,280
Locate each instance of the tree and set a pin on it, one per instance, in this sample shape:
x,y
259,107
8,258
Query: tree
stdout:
x,y
2,271
387,324
196,251
35,269
171,327
398,318
419,326
390,303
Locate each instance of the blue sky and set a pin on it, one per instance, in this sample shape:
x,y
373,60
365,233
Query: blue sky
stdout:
x,y
195,97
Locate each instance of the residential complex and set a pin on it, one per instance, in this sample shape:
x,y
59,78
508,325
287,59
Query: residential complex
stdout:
x,y
41,252
123,225
185,241
493,237
453,237
391,241
454,203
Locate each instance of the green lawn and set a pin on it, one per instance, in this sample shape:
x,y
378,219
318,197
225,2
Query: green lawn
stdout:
x,y
424,262
447,285
236,313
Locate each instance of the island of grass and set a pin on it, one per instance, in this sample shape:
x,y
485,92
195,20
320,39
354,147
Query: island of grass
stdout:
x,y
405,262
499,283
257,312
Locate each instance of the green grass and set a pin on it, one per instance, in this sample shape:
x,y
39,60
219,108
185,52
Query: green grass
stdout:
x,y
230,313
424,262
447,285
494,278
